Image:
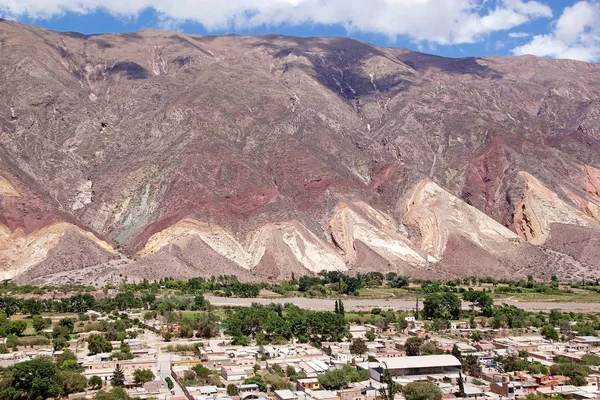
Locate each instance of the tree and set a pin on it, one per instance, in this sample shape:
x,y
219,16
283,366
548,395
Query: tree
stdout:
x,y
370,336
398,282
257,380
16,327
118,377
578,380
456,352
412,346
389,391
512,362
549,332
341,377
591,359
480,299
63,361
74,382
98,344
232,390
441,305
471,365
141,376
358,346
95,382
277,382
461,385
116,393
421,391
290,372
36,379
67,323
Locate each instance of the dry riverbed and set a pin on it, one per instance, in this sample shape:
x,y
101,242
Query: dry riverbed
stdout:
x,y
397,304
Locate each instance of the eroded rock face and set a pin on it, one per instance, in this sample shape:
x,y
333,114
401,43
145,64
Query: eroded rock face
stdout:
x,y
184,155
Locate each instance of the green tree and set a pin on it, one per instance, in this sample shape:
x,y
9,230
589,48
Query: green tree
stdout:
x,y
461,385
276,382
290,372
36,379
412,346
95,382
257,380
98,344
16,327
570,369
232,390
62,360
441,305
358,346
512,362
471,365
370,336
389,391
74,382
591,359
116,393
549,332
456,352
141,376
118,377
421,391
480,299
67,323
578,380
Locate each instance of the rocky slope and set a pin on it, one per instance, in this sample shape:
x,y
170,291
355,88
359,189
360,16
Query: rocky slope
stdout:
x,y
155,154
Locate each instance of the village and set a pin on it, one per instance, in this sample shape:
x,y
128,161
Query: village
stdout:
x,y
462,362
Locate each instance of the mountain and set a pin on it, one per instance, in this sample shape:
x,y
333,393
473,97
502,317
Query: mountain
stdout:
x,y
154,154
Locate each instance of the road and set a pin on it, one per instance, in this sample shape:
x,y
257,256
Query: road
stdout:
x,y
397,304
163,361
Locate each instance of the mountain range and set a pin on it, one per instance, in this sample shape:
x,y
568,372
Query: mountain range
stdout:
x,y
155,154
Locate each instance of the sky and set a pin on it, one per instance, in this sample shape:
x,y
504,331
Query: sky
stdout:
x,y
452,28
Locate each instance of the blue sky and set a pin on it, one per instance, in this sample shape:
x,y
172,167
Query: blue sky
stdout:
x,y
455,28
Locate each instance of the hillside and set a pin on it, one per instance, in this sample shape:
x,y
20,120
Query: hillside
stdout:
x,y
154,154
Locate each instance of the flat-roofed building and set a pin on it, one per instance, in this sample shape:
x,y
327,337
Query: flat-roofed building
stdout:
x,y
440,365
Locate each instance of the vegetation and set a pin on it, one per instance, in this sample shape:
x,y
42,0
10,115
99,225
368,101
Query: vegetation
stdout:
x,y
269,323
340,378
421,391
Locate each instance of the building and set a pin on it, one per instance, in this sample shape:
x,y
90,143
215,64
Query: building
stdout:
x,y
285,395
308,383
234,374
418,367
247,388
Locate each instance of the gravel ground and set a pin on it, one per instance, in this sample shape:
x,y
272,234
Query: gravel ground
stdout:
x,y
367,304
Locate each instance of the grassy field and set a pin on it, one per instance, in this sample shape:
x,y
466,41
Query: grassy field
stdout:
x,y
580,297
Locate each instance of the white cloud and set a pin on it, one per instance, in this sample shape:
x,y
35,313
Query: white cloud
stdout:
x,y
576,35
518,35
437,21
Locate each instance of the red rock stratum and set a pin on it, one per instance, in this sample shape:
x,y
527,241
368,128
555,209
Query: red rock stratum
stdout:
x,y
153,154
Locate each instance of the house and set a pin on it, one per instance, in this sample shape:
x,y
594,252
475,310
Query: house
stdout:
x,y
508,389
308,383
285,395
484,347
233,374
473,392
440,366
585,343
248,388
322,395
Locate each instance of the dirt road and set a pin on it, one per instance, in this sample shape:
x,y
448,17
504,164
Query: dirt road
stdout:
x,y
397,304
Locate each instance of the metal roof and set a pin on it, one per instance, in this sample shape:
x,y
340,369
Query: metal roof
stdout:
x,y
442,360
